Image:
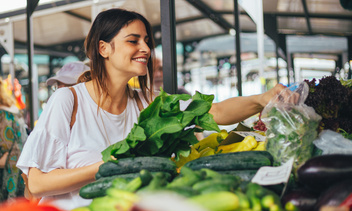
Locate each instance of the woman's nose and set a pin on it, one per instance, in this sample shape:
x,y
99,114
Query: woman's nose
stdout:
x,y
145,48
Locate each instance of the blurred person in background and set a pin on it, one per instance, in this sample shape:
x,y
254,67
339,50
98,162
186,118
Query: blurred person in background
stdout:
x,y
158,77
67,75
13,134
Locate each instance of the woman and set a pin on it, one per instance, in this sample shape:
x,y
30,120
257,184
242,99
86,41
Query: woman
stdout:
x,y
12,136
59,160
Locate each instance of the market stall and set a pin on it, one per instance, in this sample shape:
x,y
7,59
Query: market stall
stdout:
x,y
296,156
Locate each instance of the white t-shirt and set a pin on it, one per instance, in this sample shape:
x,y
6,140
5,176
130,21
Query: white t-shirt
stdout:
x,y
52,145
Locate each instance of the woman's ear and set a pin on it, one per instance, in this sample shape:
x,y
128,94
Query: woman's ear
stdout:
x,y
104,49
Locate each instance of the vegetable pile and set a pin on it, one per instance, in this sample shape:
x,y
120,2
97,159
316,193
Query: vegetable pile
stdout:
x,y
332,99
218,182
163,129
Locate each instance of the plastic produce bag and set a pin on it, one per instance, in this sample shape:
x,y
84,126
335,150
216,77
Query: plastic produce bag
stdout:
x,y
330,142
291,126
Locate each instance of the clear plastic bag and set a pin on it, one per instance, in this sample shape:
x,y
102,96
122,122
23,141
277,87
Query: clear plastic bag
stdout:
x,y
330,142
291,126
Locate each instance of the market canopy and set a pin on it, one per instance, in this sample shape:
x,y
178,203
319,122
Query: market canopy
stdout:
x,y
59,27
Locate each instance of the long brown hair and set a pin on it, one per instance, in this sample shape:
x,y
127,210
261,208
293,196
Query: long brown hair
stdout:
x,y
105,27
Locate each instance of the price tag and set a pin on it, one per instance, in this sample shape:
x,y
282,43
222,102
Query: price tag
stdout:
x,y
257,136
269,175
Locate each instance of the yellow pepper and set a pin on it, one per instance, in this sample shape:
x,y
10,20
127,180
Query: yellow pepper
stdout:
x,y
260,147
211,141
227,148
206,152
247,144
194,154
260,132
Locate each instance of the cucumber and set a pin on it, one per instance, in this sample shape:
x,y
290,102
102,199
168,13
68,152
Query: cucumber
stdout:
x,y
159,180
97,188
213,185
187,177
245,175
184,191
136,164
232,161
217,201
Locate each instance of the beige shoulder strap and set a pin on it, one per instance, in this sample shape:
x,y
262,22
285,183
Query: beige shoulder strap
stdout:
x,y
75,106
138,100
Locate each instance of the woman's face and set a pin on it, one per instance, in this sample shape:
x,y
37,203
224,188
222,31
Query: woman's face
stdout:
x,y
129,52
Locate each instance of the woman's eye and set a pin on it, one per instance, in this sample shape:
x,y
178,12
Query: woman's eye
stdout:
x,y
133,41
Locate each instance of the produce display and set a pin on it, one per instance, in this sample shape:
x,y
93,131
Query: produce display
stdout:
x,y
161,155
205,188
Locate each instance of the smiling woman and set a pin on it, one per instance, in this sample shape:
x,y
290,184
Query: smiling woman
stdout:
x,y
120,47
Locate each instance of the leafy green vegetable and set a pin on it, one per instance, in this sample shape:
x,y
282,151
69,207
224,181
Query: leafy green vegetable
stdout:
x,y
332,99
290,133
163,129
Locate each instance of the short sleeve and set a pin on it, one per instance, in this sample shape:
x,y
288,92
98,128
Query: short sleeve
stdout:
x,y
42,151
46,146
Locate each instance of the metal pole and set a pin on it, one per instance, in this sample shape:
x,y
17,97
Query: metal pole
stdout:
x,y
33,110
168,42
238,48
349,55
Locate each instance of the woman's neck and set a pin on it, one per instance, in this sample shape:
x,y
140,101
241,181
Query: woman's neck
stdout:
x,y
115,103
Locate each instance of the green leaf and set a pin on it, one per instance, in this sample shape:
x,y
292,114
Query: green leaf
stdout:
x,y
207,122
198,107
151,110
171,105
200,96
136,135
114,149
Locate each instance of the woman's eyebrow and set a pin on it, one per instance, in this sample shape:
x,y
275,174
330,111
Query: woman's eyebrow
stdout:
x,y
136,35
133,35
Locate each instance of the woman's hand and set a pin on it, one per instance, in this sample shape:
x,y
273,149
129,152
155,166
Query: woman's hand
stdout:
x,y
265,98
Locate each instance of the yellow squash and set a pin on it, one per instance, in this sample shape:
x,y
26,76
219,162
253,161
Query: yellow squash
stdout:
x,y
211,141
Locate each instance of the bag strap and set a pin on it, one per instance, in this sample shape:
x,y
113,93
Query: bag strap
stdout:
x,y
75,106
138,100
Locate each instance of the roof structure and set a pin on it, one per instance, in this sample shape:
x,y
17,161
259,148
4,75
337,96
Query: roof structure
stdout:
x,y
313,28
59,25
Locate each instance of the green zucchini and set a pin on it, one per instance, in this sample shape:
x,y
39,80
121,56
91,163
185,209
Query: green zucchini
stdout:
x,y
185,191
97,188
212,185
160,180
187,177
245,175
136,164
232,161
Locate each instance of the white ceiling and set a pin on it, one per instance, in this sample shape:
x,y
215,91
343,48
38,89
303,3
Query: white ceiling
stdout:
x,y
69,20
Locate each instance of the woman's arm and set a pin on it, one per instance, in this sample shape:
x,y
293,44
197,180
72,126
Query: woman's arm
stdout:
x,y
60,181
237,109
